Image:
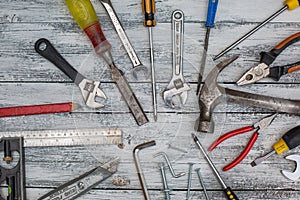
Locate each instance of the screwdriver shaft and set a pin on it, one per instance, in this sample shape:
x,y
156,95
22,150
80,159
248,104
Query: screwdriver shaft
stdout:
x,y
209,161
250,33
154,100
262,158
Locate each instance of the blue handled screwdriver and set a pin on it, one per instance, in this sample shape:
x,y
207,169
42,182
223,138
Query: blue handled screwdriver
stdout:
x,y
210,22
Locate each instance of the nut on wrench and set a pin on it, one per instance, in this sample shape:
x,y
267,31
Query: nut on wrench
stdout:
x,y
89,89
177,85
137,65
136,159
296,174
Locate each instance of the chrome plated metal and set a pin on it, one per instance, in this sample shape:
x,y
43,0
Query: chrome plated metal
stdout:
x,y
169,164
164,179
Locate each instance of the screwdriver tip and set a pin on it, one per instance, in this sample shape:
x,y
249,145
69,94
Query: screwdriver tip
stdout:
x,y
253,164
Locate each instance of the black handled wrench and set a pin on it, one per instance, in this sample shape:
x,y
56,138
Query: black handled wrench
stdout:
x,y
137,65
89,89
177,85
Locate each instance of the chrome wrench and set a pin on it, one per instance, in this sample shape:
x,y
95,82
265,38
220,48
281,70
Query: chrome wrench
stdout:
x,y
177,85
89,88
137,65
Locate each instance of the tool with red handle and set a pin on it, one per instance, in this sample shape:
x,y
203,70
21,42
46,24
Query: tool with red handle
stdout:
x,y
260,125
85,16
267,58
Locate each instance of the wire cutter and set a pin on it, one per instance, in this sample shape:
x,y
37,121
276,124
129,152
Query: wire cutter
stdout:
x,y
260,125
267,58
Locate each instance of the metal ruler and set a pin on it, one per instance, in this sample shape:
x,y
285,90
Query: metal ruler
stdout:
x,y
69,137
80,185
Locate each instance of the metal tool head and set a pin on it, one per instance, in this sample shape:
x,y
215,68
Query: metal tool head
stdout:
x,y
296,174
181,92
254,74
140,72
210,96
265,122
90,90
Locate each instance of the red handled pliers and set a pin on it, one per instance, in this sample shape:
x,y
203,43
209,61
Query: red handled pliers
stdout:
x,y
260,125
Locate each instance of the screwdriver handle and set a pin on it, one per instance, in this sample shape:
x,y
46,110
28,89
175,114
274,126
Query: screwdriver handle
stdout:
x,y
289,141
230,194
85,16
211,13
148,7
292,4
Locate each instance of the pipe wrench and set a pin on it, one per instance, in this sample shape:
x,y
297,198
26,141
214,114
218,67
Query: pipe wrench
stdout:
x,y
89,89
177,85
137,65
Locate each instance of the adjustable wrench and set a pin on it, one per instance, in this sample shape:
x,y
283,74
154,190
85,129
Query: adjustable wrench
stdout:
x,y
177,86
89,89
137,65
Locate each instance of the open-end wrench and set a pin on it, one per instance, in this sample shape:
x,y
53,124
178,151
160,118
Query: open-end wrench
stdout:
x,y
89,89
177,86
296,174
137,65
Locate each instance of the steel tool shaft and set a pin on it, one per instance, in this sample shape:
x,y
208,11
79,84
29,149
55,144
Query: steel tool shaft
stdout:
x,y
210,22
85,15
137,65
227,190
148,7
289,4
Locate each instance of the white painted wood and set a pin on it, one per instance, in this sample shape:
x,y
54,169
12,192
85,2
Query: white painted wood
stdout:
x,y
27,78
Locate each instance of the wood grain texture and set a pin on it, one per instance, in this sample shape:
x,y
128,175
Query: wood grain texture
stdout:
x,y
27,78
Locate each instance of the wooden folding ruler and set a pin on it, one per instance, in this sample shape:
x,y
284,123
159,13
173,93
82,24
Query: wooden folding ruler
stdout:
x,y
69,137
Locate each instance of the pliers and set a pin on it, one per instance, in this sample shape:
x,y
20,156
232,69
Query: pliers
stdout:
x,y
260,125
267,58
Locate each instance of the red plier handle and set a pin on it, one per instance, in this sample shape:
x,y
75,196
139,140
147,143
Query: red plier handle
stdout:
x,y
244,152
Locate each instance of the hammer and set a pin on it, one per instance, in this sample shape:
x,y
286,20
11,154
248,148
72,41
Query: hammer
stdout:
x,y
213,94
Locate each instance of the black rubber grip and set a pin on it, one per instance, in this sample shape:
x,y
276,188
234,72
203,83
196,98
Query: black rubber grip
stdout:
x,y
277,71
230,194
292,137
269,57
46,49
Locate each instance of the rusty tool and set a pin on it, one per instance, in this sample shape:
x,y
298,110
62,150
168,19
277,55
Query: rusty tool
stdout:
x,y
136,151
138,67
85,16
148,8
89,89
267,58
83,183
258,126
230,195
177,85
289,5
213,94
295,175
289,140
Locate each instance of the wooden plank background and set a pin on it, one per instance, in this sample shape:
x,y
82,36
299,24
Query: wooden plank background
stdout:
x,y
26,78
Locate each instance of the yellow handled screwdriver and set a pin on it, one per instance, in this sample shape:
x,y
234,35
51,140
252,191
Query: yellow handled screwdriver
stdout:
x,y
148,7
288,141
289,5
85,16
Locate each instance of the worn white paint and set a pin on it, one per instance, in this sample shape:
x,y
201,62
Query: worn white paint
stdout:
x,y
27,78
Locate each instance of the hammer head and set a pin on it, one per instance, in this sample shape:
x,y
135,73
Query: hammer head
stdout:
x,y
211,95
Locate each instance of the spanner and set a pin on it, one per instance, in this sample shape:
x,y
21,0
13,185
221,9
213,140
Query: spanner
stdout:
x,y
296,174
177,86
137,65
89,89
